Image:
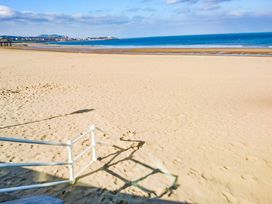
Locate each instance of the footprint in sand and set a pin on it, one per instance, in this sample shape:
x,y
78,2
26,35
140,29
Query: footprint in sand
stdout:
x,y
11,159
85,142
229,197
193,172
43,137
128,134
225,168
249,177
206,176
115,181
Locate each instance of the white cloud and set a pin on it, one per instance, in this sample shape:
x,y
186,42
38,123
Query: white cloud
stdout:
x,y
177,1
237,13
170,2
6,12
9,15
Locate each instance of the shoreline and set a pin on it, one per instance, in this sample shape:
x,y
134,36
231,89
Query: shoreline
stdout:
x,y
256,52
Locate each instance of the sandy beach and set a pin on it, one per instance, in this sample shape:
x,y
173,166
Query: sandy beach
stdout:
x,y
221,51
193,129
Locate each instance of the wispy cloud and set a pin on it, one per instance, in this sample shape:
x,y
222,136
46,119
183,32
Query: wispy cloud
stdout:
x,y
216,1
171,2
7,14
134,10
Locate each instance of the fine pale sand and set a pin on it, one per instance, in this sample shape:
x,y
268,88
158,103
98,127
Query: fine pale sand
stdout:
x,y
192,129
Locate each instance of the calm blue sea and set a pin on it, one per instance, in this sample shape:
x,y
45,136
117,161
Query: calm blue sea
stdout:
x,y
198,41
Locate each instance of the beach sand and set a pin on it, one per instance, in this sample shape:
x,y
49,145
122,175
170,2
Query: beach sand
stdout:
x,y
192,129
244,51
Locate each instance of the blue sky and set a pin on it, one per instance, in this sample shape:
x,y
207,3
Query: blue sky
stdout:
x,y
133,18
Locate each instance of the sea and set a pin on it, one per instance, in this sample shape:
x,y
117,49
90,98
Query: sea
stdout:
x,y
234,40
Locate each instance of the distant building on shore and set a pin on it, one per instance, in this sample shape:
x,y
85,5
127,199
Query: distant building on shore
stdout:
x,y
50,38
100,38
5,42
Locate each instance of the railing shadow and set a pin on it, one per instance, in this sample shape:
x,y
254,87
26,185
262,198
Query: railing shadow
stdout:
x,y
82,193
49,118
136,145
78,193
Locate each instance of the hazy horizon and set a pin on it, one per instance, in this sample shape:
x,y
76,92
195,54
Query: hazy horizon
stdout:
x,y
155,36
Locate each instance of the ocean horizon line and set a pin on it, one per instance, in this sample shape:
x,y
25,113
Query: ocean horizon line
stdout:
x,y
251,40
200,34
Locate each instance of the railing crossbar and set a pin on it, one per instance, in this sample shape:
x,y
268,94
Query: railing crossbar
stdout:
x,y
6,190
3,165
33,141
83,153
80,137
84,168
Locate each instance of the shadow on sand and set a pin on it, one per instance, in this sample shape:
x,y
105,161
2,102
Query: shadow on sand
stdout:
x,y
78,193
50,118
82,193
114,160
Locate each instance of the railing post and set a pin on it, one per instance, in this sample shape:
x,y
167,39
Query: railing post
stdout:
x,y
94,158
71,161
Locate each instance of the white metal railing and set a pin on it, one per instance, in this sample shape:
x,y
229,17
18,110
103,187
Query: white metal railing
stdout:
x,y
70,162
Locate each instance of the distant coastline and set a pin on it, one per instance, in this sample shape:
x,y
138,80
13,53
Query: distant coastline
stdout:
x,y
242,44
230,40
51,38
